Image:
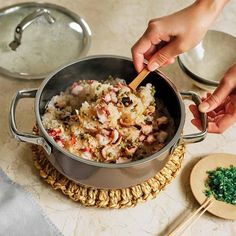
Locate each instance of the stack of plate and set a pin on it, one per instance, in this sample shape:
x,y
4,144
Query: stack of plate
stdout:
x,y
210,59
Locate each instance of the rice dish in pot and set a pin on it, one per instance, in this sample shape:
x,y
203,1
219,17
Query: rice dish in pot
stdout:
x,y
105,121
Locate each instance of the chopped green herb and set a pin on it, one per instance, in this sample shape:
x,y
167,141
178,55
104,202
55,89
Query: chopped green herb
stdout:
x,y
110,77
94,118
122,145
153,103
153,91
221,183
84,113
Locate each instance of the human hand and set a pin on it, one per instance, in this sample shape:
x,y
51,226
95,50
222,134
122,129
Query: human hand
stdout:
x,y
169,36
220,106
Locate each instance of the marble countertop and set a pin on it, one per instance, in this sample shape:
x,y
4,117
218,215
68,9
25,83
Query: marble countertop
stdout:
x,y
116,25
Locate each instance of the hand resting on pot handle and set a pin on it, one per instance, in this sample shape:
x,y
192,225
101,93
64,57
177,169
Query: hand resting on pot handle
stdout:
x,y
220,105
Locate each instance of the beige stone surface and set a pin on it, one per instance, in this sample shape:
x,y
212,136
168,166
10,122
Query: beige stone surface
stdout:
x,y
116,25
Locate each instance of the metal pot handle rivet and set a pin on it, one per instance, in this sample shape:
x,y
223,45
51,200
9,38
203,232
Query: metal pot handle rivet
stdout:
x,y
25,137
197,137
26,22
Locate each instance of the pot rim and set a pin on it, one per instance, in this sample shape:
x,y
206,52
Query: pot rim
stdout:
x,y
168,146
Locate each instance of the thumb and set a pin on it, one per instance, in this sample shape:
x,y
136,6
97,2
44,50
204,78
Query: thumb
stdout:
x,y
218,96
165,54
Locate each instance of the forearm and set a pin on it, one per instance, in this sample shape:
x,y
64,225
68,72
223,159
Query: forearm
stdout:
x,y
214,7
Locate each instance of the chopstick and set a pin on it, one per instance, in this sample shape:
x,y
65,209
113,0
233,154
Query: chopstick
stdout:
x,y
188,222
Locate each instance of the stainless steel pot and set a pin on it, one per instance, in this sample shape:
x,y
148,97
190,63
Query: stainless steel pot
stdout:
x,y
103,175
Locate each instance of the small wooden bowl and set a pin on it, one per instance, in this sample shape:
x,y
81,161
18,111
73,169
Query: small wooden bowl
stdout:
x,y
198,178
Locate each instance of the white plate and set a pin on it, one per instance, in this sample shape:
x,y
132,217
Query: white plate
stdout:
x,y
210,59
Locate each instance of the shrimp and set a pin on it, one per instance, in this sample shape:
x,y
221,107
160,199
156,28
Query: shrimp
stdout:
x,y
110,153
146,128
163,120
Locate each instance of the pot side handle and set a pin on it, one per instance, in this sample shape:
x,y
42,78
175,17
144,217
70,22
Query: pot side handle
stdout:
x,y
25,137
197,137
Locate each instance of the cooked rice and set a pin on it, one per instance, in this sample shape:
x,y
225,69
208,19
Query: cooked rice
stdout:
x,y
107,122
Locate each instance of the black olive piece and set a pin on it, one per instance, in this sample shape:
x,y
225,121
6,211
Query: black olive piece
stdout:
x,y
56,105
148,122
126,101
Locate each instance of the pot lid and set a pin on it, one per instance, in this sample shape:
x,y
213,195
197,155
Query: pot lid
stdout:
x,y
38,38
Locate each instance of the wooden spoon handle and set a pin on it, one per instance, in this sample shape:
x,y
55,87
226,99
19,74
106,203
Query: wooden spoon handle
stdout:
x,y
140,77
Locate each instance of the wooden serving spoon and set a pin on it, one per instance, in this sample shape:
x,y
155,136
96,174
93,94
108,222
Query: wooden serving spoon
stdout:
x,y
139,78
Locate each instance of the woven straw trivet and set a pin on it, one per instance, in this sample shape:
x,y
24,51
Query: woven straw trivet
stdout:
x,y
119,198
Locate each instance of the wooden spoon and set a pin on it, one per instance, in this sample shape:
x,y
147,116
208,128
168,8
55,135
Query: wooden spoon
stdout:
x,y
138,79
